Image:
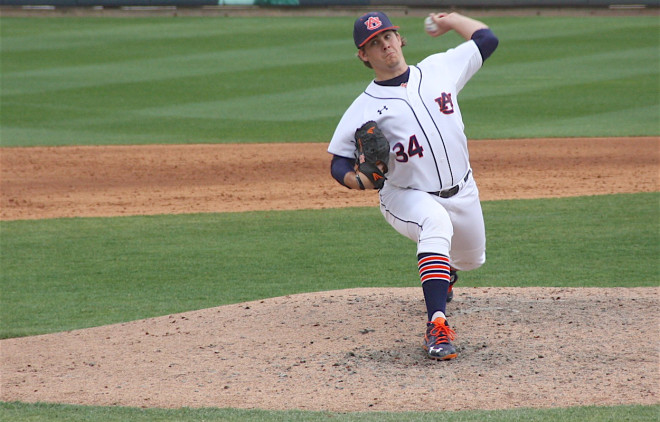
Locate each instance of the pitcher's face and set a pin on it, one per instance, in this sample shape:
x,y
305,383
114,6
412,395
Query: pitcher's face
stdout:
x,y
384,53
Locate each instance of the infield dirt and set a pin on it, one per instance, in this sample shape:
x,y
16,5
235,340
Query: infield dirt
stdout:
x,y
173,179
349,350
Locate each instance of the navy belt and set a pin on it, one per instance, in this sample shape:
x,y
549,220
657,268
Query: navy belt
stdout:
x,y
448,193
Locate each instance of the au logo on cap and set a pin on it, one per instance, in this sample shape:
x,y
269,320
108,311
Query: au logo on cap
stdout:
x,y
369,25
373,23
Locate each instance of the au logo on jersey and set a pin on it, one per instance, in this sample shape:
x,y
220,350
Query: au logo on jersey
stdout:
x,y
445,103
373,23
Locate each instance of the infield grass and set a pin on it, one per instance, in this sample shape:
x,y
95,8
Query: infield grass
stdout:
x,y
73,273
77,81
54,412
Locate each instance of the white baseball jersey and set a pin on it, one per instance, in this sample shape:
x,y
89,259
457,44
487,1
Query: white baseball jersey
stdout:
x,y
421,120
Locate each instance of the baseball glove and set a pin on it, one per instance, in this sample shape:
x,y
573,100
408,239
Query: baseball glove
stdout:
x,y
372,148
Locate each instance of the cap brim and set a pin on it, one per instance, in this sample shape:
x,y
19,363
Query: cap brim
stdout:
x,y
376,33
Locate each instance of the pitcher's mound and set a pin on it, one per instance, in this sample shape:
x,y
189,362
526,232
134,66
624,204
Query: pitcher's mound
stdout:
x,y
356,350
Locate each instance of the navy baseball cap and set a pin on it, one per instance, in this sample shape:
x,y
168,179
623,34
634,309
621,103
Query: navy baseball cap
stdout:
x,y
369,25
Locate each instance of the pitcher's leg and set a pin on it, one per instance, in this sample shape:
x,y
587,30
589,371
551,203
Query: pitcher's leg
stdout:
x,y
468,244
419,217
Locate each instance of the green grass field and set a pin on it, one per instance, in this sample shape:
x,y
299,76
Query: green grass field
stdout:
x,y
208,80
64,274
94,81
49,412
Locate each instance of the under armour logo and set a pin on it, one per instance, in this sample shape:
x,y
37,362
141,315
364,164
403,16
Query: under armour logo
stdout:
x,y
382,109
373,23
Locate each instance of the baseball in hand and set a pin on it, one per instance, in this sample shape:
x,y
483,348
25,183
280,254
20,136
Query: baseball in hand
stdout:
x,y
429,25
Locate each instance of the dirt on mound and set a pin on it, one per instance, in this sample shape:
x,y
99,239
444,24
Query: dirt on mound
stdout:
x,y
357,350
350,350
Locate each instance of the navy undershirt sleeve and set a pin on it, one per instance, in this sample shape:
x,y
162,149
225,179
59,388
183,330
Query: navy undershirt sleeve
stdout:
x,y
486,41
340,166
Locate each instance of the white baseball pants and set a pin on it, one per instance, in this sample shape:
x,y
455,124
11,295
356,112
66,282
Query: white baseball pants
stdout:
x,y
450,226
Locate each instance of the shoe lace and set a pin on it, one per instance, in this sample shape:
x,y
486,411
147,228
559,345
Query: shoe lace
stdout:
x,y
441,331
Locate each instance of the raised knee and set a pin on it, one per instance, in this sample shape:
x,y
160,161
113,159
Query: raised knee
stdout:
x,y
468,264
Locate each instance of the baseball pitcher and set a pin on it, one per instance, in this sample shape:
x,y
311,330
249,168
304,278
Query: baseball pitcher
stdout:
x,y
404,136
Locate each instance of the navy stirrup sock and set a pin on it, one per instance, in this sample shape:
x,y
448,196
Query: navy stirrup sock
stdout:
x,y
434,275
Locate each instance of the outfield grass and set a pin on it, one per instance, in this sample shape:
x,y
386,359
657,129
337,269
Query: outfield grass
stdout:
x,y
285,79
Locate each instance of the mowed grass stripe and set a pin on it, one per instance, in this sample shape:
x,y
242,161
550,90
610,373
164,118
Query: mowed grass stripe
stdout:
x,y
515,78
293,106
539,28
562,112
630,121
136,81
219,64
78,34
